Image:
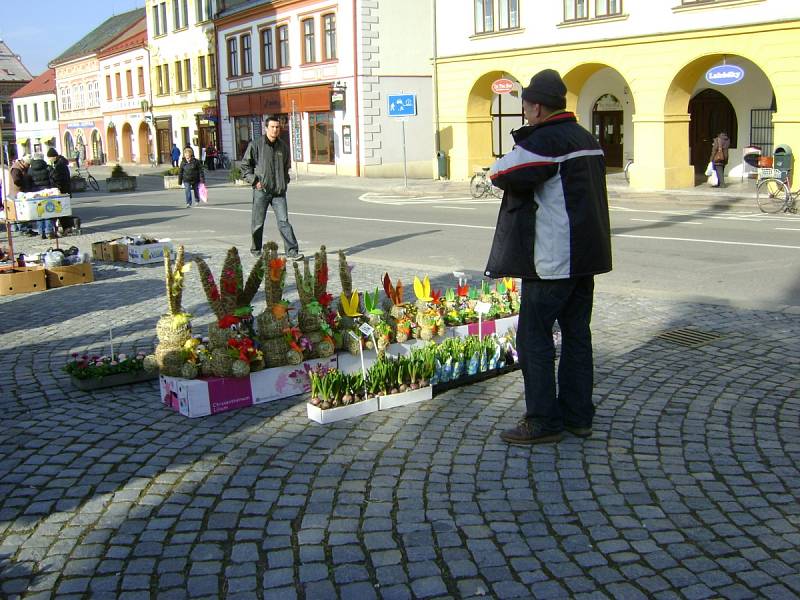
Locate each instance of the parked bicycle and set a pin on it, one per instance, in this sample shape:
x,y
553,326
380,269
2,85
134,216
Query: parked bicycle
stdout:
x,y
480,185
84,173
626,170
773,193
223,162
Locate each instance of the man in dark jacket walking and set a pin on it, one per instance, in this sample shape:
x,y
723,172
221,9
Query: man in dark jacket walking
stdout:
x,y
552,231
60,178
265,166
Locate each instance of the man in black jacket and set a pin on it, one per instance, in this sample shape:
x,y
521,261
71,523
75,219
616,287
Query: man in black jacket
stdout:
x,y
265,166
553,232
60,177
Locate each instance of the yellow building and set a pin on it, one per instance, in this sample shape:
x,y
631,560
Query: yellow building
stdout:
x,y
655,82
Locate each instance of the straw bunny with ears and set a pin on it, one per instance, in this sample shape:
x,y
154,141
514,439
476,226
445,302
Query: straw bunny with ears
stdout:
x,y
233,297
394,293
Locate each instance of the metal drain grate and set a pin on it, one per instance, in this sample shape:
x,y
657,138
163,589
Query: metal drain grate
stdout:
x,y
689,338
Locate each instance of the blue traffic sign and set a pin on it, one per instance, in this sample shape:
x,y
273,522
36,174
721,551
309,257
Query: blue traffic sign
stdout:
x,y
402,105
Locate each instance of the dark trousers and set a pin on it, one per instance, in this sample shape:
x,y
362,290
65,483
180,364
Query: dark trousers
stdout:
x,y
568,301
262,201
720,169
188,188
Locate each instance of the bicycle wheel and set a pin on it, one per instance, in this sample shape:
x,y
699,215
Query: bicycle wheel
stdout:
x,y
771,195
496,191
93,182
626,171
477,186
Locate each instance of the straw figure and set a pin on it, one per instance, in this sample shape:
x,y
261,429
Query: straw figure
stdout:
x,y
274,326
314,298
231,339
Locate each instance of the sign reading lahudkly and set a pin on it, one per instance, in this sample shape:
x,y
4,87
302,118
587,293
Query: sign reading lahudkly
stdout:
x,y
502,86
724,75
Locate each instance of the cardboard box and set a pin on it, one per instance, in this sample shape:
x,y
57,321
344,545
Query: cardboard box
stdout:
x,y
112,251
97,250
213,395
21,280
50,207
146,254
69,275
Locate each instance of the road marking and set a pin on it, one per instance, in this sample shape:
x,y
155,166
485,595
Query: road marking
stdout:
x,y
399,200
787,229
399,221
675,221
723,242
456,207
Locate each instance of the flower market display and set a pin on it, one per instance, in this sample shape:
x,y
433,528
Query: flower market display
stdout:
x,y
93,371
403,350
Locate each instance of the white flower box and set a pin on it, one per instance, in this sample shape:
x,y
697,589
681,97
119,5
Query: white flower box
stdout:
x,y
404,398
331,415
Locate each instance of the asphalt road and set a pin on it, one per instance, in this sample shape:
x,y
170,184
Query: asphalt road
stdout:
x,y
691,251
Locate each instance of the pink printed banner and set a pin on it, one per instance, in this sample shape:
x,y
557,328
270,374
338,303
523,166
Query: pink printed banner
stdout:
x,y
229,393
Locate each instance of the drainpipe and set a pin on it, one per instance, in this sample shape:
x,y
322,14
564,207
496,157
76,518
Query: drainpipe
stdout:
x,y
436,137
216,79
355,87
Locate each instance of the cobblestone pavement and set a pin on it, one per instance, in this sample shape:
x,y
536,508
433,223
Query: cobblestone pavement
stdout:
x,y
687,489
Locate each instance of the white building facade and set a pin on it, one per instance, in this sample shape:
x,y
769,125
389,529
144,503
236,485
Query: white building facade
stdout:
x,y
36,115
125,99
183,74
327,70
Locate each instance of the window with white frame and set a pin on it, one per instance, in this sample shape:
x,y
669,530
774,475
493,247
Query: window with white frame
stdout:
x,y
233,57
283,46
66,98
204,10
95,93
267,50
180,8
46,111
496,15
329,34
159,19
581,10
247,54
35,112
178,76
309,41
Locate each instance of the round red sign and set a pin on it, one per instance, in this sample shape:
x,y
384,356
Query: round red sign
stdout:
x,y
502,86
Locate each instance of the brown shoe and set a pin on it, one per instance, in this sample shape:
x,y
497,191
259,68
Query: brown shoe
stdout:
x,y
581,432
527,434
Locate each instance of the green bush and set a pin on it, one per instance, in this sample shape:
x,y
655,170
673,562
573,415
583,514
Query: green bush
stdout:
x,y
234,174
118,171
172,171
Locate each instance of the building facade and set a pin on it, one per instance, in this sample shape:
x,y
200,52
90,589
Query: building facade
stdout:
x,y
36,115
183,74
327,70
646,77
13,76
125,98
82,126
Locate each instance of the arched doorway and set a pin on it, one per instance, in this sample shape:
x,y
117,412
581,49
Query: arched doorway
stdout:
x,y
127,143
143,136
69,146
97,148
113,146
607,127
710,113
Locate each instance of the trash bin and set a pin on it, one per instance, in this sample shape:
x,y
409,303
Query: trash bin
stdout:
x,y
441,161
783,158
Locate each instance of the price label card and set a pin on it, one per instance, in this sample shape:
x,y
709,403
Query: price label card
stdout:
x,y
366,329
482,307
353,335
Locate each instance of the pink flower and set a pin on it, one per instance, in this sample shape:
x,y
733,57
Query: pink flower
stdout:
x,y
114,363
122,357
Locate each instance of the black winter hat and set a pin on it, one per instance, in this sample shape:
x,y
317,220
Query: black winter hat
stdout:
x,y
52,152
547,88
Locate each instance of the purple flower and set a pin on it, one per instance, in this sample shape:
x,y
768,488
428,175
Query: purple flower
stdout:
x,y
74,355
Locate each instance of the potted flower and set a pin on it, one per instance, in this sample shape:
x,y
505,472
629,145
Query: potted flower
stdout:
x,y
336,396
120,181
171,178
235,176
91,372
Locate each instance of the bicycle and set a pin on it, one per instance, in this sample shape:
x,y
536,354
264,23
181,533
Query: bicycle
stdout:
x,y
626,170
84,173
223,162
773,193
480,185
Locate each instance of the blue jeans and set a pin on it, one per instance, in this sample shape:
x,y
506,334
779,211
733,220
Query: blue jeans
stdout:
x,y
262,201
188,188
45,226
568,301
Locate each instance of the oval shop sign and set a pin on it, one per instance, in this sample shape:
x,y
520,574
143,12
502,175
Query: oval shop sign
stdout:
x,y
502,86
724,75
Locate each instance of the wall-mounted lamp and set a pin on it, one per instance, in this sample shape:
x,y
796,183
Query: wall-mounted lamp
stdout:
x,y
338,96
